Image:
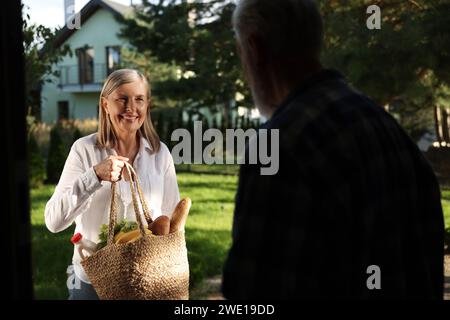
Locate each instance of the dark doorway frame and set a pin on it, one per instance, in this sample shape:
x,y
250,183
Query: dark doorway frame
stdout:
x,y
16,239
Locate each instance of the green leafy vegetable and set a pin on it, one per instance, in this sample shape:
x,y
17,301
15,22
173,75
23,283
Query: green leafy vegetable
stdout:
x,y
124,226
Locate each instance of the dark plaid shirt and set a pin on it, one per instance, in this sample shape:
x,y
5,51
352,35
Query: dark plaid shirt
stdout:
x,y
352,191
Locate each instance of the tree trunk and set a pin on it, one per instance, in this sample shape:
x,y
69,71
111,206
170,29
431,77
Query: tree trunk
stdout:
x,y
437,124
445,125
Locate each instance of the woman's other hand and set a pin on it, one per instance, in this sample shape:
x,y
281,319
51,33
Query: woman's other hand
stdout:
x,y
110,169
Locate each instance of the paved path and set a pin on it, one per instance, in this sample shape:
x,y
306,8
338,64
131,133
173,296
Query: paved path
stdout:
x,y
208,290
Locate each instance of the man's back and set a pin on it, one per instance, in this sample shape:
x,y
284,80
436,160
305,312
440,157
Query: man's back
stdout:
x,y
352,191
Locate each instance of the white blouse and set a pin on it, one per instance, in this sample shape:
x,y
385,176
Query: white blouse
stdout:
x,y
79,195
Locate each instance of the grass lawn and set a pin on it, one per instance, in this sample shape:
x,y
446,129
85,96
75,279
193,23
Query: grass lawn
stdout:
x,y
446,205
208,233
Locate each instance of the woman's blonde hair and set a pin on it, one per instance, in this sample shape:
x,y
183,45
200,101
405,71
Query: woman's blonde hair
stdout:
x,y
106,137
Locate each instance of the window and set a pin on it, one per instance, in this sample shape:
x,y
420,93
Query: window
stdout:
x,y
112,58
63,110
85,65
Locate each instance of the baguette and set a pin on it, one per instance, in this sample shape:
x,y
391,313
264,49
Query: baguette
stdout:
x,y
180,214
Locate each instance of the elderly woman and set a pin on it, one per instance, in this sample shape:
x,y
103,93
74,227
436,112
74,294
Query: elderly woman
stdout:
x,y
125,134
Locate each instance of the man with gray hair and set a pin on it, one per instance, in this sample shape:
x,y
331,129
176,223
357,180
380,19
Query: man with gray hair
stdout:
x,y
354,210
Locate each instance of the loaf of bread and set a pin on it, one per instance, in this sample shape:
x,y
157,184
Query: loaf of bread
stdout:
x,y
160,226
180,214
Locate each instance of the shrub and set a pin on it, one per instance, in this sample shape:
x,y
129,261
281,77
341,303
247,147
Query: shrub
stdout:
x,y
76,135
68,129
56,155
36,164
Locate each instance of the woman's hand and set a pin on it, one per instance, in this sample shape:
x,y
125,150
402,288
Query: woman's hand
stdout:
x,y
110,168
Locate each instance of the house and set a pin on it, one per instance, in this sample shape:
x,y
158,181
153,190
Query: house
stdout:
x,y
96,50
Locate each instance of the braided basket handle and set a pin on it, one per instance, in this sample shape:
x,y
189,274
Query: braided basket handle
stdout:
x,y
134,185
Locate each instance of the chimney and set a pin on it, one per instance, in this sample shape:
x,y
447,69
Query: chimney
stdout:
x,y
72,20
69,10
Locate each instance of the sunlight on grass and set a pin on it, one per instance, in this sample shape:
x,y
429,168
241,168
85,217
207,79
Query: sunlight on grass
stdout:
x,y
208,233
208,229
39,198
446,205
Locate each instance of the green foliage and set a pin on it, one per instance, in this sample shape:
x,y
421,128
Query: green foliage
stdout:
x,y
208,233
406,64
197,41
161,127
36,164
172,125
103,235
40,54
214,123
124,226
166,121
77,134
57,155
160,75
445,195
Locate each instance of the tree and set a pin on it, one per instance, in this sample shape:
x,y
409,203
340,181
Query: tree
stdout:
x,y
40,56
196,37
76,135
158,73
405,65
36,163
56,155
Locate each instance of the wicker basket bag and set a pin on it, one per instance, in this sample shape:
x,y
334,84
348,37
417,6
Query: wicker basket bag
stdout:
x,y
151,268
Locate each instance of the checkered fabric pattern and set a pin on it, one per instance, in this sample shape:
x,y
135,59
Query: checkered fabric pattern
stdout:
x,y
352,191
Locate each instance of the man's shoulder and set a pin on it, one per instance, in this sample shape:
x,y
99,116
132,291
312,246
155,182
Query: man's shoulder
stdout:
x,y
329,109
334,125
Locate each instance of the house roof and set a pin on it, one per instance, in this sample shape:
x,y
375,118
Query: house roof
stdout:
x,y
119,10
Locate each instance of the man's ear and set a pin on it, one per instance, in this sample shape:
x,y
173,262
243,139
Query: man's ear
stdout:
x,y
257,51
